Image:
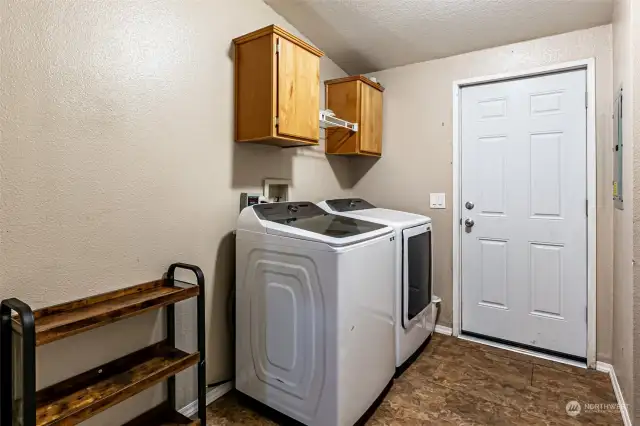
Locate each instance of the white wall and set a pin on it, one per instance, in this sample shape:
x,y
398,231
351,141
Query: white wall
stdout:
x,y
417,145
117,158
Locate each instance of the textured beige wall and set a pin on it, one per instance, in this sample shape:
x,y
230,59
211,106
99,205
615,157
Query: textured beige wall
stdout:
x,y
418,145
623,228
634,119
117,159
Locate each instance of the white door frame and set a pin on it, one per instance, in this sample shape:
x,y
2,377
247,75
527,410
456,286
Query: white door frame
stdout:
x,y
590,66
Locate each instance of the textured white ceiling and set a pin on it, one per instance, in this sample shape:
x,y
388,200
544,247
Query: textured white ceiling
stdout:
x,y
369,35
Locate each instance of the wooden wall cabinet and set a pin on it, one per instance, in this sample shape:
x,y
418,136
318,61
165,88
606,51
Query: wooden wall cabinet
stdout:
x,y
277,89
359,100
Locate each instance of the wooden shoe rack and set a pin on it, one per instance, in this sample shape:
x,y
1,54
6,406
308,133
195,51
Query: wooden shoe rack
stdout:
x,y
81,397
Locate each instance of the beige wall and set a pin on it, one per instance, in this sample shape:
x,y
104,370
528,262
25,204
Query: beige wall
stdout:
x,y
117,159
623,228
418,145
634,119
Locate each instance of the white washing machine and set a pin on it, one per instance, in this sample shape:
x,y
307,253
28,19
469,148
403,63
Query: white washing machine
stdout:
x,y
415,305
314,311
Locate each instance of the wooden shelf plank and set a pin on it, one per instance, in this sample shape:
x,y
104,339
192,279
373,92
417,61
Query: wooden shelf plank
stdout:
x,y
81,397
162,415
60,321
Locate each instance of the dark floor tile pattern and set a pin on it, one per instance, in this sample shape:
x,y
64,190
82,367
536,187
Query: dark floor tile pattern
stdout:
x,y
457,382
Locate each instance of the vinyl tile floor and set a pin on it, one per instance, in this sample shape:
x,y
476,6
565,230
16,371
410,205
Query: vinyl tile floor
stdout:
x,y
457,382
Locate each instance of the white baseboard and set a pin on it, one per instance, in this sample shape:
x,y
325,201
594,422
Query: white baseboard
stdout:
x,y
624,409
603,367
441,329
219,391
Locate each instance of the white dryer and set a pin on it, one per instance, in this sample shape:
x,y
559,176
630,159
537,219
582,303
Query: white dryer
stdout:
x,y
314,311
415,305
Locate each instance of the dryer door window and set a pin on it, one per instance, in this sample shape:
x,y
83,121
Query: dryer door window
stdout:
x,y
417,273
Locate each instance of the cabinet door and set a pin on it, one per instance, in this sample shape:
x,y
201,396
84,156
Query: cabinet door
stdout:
x,y
298,92
343,100
370,120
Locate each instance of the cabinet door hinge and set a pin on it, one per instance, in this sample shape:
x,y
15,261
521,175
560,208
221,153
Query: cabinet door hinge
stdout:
x,y
586,207
277,46
277,121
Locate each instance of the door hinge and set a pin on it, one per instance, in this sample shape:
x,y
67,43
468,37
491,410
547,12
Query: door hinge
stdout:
x,y
586,100
586,314
586,207
277,46
277,120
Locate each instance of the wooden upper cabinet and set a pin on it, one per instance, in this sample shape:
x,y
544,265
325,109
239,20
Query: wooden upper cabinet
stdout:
x,y
356,99
277,89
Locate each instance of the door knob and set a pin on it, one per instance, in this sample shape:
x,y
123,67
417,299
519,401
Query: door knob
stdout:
x,y
469,205
468,222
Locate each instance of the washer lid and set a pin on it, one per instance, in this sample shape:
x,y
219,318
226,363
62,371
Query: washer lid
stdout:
x,y
305,220
391,217
348,204
361,209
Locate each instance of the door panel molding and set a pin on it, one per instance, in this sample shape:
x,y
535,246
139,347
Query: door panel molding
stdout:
x,y
544,104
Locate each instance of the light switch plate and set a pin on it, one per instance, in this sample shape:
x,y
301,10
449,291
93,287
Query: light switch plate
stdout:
x,y
437,200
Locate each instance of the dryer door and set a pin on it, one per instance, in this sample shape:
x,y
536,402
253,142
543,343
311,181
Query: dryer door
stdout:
x,y
416,273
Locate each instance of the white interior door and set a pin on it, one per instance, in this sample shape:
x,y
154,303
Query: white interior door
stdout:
x,y
524,168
